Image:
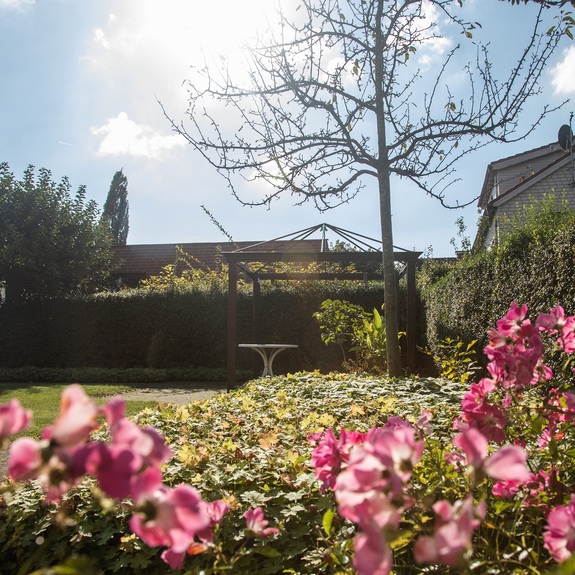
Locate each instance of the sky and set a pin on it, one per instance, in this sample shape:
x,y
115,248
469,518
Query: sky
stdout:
x,y
80,86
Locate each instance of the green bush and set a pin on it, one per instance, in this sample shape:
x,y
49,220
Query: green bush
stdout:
x,y
534,265
338,322
357,331
136,375
172,328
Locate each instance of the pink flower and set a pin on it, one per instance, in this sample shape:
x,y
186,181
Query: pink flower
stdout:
x,y
360,481
168,517
510,325
479,413
216,511
372,554
516,349
506,464
13,418
369,491
78,418
451,540
423,424
396,422
331,454
114,468
25,458
474,444
397,449
256,523
114,411
552,321
555,322
56,469
559,535
541,486
146,444
372,510
505,489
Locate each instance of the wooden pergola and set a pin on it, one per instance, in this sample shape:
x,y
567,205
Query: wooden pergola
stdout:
x,y
290,248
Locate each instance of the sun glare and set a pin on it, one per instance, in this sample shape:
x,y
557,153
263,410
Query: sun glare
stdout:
x,y
215,26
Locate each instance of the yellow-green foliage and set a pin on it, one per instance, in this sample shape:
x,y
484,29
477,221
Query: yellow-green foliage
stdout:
x,y
455,360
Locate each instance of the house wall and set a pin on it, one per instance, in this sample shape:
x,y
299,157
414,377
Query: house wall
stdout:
x,y
559,183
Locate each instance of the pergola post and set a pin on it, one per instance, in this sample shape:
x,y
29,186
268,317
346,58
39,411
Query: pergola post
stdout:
x,y
411,317
256,316
232,315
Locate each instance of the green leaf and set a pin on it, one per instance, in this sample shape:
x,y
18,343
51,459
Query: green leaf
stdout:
x,y
404,539
377,321
327,521
566,568
267,551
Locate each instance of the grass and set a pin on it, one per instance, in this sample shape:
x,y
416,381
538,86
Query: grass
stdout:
x,y
44,400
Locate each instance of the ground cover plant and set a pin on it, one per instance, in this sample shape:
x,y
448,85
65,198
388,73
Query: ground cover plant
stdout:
x,y
318,474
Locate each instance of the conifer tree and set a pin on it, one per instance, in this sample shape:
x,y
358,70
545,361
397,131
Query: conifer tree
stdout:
x,y
116,209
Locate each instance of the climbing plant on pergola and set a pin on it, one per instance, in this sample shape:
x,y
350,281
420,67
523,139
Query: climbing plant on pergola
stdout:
x,y
292,249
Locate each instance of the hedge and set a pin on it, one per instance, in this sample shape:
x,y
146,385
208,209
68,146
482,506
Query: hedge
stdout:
x,y
533,266
171,328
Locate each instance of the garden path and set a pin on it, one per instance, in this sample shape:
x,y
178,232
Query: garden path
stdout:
x,y
180,394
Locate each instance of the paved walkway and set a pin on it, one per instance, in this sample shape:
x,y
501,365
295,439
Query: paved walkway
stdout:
x,y
180,394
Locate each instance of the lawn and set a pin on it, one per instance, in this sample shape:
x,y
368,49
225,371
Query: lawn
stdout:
x,y
44,400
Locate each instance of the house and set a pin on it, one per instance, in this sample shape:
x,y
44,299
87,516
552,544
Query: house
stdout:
x,y
140,261
514,182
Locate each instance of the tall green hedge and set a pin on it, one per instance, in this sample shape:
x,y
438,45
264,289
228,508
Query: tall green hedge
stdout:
x,y
173,327
533,265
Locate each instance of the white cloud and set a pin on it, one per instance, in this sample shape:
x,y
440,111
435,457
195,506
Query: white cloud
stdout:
x,y
17,4
435,44
122,136
100,38
564,72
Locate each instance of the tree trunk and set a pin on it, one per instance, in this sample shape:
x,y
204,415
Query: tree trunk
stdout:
x,y
383,180
389,281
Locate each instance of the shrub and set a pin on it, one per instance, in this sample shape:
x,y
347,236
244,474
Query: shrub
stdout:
x,y
105,375
248,447
339,321
351,327
172,328
534,264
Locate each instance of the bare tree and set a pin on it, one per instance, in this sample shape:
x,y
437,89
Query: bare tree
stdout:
x,y
567,20
335,95
545,3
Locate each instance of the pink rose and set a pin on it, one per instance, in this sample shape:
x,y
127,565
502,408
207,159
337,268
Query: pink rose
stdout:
x,y
256,523
559,535
13,418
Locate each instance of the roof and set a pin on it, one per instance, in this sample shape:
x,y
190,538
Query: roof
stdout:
x,y
545,157
143,260
532,180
